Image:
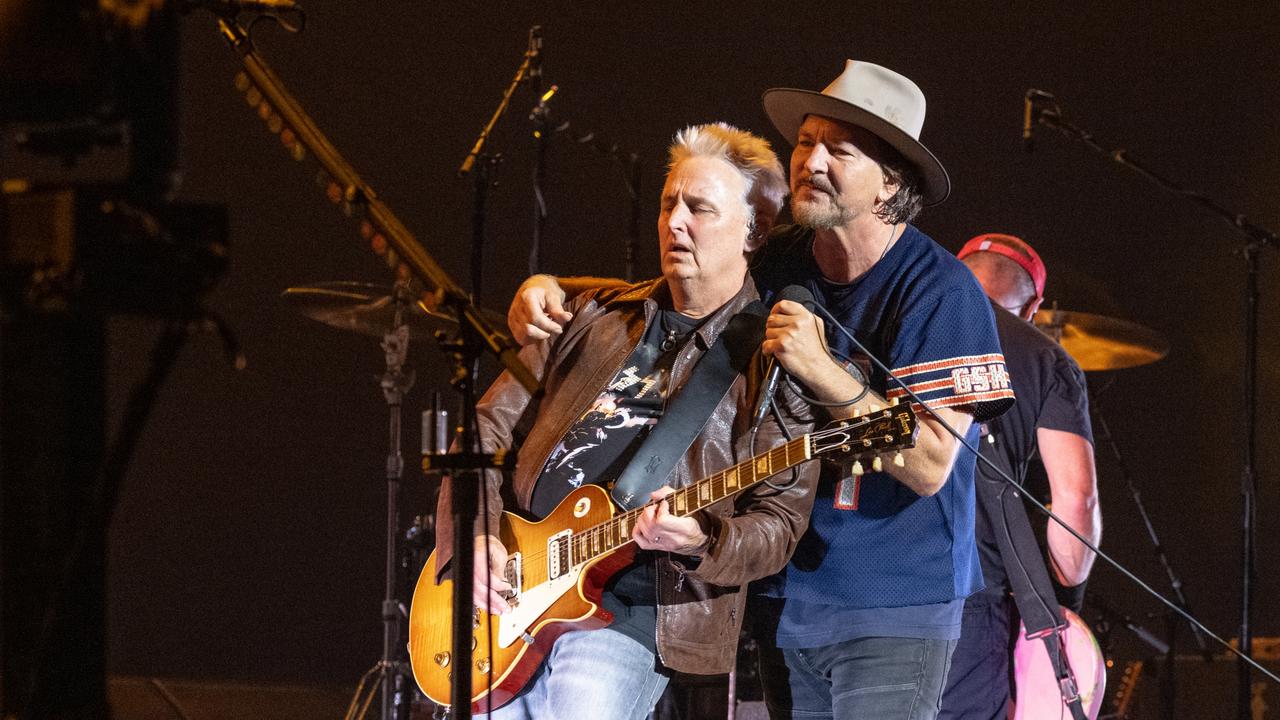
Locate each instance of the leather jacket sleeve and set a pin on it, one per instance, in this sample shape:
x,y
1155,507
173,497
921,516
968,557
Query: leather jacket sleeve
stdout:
x,y
756,536
497,414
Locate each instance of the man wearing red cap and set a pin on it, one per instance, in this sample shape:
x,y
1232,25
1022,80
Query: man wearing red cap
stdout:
x,y
1051,415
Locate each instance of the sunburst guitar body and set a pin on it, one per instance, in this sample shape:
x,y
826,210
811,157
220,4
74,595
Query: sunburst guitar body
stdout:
x,y
557,567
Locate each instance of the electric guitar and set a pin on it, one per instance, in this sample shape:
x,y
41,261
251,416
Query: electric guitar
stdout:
x,y
1038,695
557,567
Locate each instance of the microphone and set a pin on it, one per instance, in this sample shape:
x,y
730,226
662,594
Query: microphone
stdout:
x,y
535,51
435,428
797,294
1031,115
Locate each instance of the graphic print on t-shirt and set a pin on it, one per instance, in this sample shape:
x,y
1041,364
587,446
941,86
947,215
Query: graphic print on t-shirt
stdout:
x,y
600,443
631,402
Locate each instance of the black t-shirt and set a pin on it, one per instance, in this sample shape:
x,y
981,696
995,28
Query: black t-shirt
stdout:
x,y
1051,393
598,447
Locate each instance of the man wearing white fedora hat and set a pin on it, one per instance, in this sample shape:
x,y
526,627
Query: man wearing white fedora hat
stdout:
x,y
865,616
862,621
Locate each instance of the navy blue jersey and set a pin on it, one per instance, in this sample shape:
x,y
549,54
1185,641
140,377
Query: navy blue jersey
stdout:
x,y
922,313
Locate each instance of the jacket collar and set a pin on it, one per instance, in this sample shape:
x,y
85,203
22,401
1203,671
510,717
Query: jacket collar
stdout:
x,y
655,292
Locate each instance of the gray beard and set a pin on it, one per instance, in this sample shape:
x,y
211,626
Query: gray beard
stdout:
x,y
821,217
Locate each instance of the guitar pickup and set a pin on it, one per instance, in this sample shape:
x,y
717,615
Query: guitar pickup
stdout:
x,y
513,573
559,561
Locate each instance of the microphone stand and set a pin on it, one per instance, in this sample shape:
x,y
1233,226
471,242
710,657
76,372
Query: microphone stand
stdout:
x,y
482,179
395,383
1255,238
545,126
404,254
1168,694
540,116
465,351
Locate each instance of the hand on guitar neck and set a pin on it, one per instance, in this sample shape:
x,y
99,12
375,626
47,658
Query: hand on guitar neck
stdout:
x,y
490,590
658,529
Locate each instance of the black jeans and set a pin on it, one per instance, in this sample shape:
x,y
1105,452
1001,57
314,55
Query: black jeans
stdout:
x,y
978,683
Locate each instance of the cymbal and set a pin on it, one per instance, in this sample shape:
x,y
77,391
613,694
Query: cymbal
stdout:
x,y
1098,342
369,309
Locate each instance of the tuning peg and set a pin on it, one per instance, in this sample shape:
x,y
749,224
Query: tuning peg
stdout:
x,y
899,460
875,408
876,464
991,439
855,412
857,467
893,401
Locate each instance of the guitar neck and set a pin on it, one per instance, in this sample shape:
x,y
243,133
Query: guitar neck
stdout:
x,y
612,534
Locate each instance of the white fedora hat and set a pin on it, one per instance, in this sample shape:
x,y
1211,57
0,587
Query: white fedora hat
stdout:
x,y
872,97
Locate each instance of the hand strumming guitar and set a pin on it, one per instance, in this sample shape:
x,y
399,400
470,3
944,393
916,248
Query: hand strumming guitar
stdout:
x,y
490,591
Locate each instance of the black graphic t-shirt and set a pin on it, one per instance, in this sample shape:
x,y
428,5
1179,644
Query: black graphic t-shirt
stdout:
x,y
1052,394
597,448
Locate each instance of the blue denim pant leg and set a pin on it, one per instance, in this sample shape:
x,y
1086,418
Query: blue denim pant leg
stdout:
x,y
590,675
873,678
978,682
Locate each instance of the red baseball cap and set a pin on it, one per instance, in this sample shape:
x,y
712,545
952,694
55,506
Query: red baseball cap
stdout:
x,y
1013,248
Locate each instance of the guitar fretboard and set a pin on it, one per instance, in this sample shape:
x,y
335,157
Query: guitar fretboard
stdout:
x,y
612,534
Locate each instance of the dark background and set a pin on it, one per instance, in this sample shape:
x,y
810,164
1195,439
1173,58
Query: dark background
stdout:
x,y
248,542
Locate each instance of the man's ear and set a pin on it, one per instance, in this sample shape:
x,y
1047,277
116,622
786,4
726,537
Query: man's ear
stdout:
x,y
1029,310
758,233
888,189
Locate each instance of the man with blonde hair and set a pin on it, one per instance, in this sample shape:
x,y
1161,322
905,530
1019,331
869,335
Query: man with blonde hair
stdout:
x,y
624,353
865,616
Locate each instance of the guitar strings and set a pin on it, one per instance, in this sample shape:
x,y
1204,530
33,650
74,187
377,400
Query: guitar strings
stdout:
x,y
607,529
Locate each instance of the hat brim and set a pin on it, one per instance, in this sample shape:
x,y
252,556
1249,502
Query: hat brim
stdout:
x,y
787,108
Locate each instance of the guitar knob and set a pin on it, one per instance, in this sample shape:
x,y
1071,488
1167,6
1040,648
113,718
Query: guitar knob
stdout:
x,y
483,665
442,659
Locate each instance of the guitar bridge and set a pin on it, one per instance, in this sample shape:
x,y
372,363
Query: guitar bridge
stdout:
x,y
559,560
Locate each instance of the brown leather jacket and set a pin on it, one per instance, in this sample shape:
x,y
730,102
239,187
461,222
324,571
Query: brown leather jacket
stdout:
x,y
700,605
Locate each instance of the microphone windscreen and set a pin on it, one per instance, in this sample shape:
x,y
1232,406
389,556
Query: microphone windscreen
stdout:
x,y
797,294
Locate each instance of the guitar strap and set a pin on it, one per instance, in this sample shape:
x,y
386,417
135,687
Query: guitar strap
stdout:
x,y
689,411
1032,590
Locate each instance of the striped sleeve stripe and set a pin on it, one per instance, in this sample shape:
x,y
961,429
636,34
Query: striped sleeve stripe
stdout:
x,y
970,399
926,386
935,365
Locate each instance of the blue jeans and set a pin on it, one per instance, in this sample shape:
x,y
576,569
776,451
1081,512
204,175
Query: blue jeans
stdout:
x,y
874,678
590,675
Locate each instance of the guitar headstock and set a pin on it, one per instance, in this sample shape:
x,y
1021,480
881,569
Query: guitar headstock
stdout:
x,y
882,430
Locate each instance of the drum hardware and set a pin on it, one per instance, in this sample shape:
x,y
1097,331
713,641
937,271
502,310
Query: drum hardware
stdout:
x,y
369,309
1252,238
1098,342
